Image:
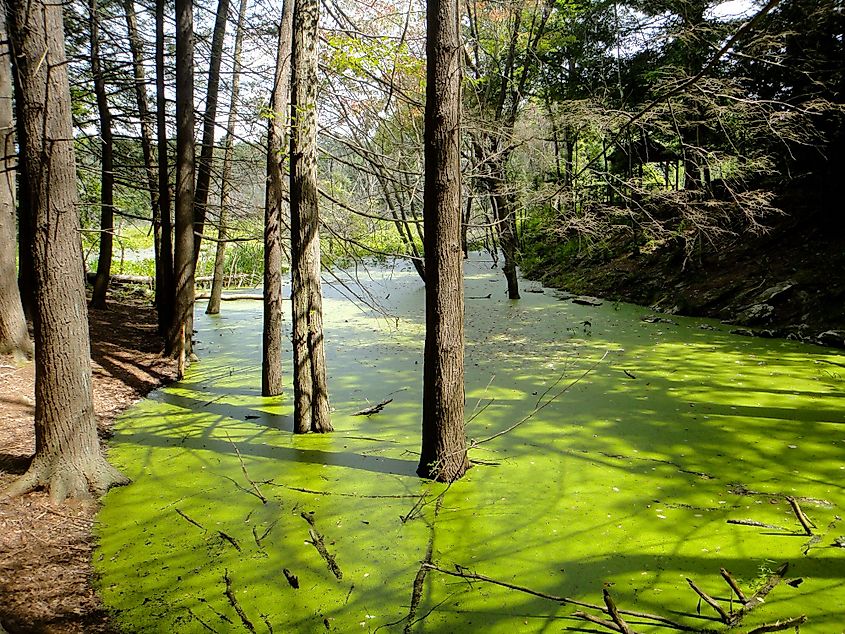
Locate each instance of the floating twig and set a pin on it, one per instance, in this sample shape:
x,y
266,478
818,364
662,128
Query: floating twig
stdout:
x,y
733,585
597,620
188,519
255,488
614,613
230,539
419,579
319,544
233,600
463,573
375,409
756,523
807,525
779,626
726,618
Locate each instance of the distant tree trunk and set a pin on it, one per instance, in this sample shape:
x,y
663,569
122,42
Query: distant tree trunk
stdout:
x,y
276,188
226,182
181,328
444,454
101,281
67,457
14,338
209,124
144,115
165,292
311,398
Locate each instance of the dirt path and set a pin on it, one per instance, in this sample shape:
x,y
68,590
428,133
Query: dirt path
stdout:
x,y
45,550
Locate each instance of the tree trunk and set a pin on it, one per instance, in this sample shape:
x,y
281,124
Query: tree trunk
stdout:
x,y
209,123
213,307
181,327
271,364
444,455
101,281
67,457
26,268
137,50
14,338
165,292
505,213
311,398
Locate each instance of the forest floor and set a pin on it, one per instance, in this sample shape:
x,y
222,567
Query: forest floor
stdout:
x,y
45,550
783,282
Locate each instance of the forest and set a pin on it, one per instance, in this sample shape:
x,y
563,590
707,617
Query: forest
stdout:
x,y
363,315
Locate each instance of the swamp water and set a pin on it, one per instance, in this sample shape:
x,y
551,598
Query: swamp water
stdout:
x,y
645,439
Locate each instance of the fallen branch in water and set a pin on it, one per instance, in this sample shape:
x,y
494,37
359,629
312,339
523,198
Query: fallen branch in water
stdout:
x,y
375,409
724,616
463,573
806,524
188,519
320,546
779,626
233,600
255,488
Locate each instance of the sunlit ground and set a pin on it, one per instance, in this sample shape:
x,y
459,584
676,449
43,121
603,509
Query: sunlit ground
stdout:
x,y
625,480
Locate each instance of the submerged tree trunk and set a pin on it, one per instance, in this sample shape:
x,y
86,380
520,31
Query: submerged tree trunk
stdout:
x,y
444,455
67,457
14,338
101,281
181,327
311,398
164,291
209,123
271,362
144,115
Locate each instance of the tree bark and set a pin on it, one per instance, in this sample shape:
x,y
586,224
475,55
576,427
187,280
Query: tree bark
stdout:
x,y
26,268
181,327
208,126
137,49
67,457
311,398
271,365
444,455
14,338
166,293
101,281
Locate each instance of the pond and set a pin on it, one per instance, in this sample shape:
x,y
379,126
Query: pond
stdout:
x,y
633,448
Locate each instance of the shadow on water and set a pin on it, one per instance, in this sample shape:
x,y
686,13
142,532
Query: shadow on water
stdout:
x,y
638,442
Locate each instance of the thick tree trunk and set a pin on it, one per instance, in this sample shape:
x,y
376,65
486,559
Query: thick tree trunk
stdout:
x,y
311,398
276,189
181,327
208,126
137,49
67,453
14,338
101,281
444,455
166,290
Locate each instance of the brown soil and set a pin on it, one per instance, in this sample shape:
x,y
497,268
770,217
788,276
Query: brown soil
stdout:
x,y
45,550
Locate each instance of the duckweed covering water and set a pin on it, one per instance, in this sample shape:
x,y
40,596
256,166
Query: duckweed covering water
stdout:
x,y
624,481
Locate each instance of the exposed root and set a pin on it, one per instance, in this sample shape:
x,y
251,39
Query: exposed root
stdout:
x,y
66,480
